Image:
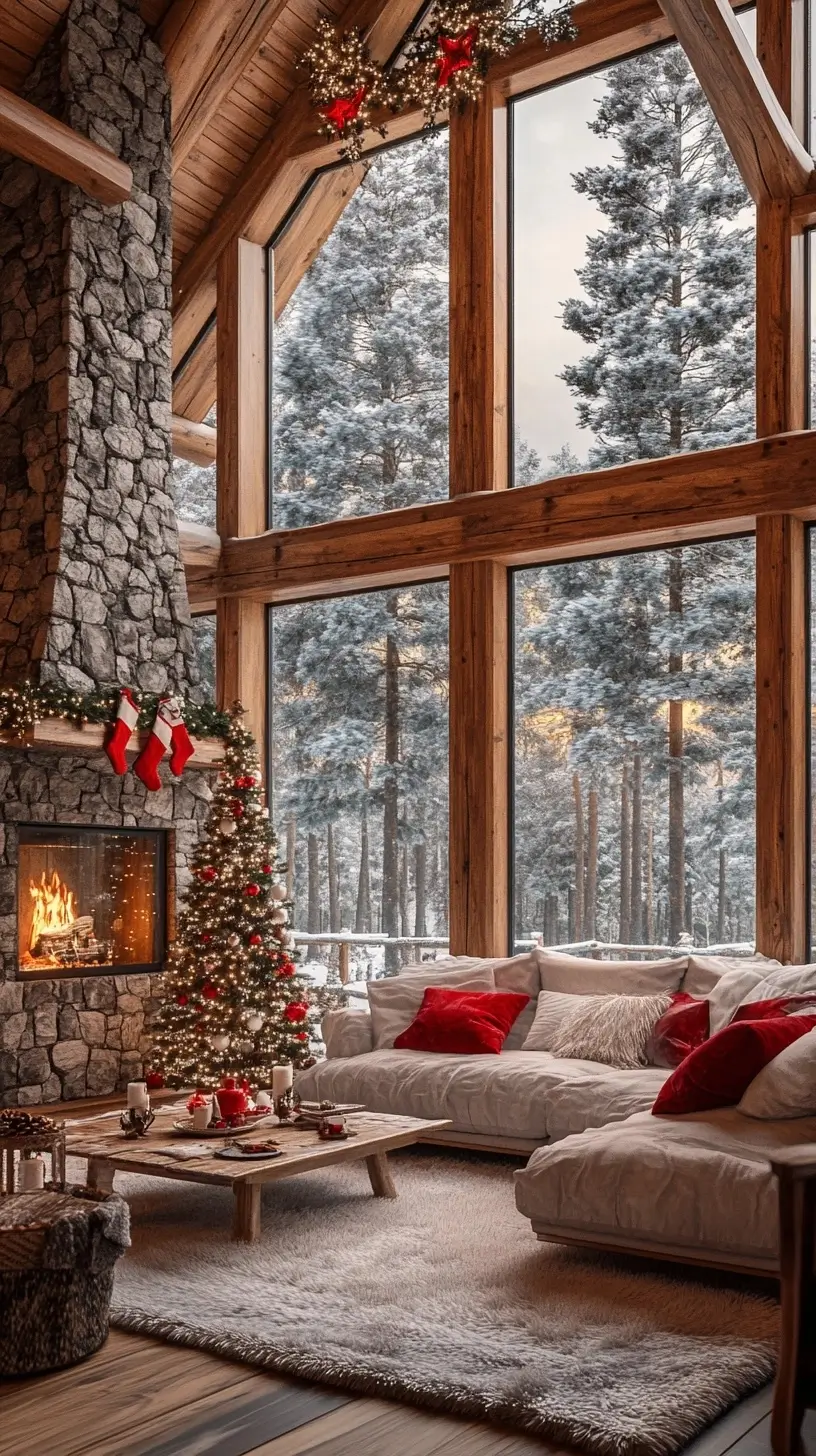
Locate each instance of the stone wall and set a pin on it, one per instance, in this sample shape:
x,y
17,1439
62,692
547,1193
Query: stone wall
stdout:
x,y
89,1035
92,589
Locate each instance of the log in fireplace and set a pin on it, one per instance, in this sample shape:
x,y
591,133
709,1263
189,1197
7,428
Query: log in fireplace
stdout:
x,y
90,900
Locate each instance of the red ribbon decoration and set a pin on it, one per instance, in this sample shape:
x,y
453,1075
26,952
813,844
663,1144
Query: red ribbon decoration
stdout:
x,y
455,54
344,109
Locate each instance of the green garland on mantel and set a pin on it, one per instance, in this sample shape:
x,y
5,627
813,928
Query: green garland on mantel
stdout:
x,y
24,705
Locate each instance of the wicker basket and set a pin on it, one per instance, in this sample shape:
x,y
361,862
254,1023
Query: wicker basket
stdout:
x,y
58,1250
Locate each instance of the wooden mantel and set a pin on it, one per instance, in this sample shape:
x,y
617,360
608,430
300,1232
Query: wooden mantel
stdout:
x,y
64,737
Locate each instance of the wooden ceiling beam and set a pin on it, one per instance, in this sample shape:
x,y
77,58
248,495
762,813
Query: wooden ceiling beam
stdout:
x,y
192,441
652,501
200,546
194,385
27,132
313,223
208,46
772,160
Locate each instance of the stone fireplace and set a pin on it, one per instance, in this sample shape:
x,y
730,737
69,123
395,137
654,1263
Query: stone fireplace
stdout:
x,y
92,589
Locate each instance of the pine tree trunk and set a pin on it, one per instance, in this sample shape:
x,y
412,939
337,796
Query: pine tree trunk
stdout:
x,y
579,857
591,905
650,919
677,847
390,870
405,928
313,897
291,846
636,919
625,861
420,887
571,930
335,917
721,867
362,919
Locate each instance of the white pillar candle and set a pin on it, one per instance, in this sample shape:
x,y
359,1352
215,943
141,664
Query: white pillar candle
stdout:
x,y
137,1095
32,1175
282,1078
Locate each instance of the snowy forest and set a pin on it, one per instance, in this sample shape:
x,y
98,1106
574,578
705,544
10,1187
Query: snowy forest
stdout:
x,y
633,681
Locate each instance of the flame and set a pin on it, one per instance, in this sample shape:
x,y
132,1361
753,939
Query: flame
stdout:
x,y
53,906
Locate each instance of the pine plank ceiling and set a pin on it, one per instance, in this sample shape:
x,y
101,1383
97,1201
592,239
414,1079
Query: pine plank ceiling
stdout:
x,y
226,145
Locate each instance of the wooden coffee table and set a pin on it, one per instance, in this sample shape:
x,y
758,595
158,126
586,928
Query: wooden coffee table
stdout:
x,y
374,1134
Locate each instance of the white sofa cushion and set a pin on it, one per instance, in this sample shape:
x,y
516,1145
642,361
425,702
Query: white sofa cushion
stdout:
x,y
786,1087
522,1095
705,971
701,1184
347,1032
585,977
395,1000
782,981
732,989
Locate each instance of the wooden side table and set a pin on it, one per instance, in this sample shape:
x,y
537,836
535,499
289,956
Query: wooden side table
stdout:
x,y
795,1387
51,1142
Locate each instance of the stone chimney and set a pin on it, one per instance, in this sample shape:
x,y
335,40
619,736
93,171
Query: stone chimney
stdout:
x,y
92,590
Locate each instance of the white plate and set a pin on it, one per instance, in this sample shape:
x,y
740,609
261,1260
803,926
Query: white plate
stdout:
x,y
186,1129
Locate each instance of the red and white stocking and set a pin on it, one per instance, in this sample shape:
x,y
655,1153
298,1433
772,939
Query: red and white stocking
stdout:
x,y
168,731
127,716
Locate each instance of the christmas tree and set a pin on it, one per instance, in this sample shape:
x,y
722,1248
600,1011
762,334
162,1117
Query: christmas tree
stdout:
x,y
235,1003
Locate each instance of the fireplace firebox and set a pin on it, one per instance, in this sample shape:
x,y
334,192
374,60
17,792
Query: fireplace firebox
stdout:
x,y
90,900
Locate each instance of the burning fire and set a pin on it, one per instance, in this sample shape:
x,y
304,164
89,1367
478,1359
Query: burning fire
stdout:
x,y
53,907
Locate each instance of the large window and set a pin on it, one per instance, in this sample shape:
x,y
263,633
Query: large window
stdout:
x,y
633,271
361,352
634,749
360,763
204,649
194,487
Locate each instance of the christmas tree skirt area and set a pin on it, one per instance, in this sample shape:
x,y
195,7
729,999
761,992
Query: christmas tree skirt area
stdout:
x,y
444,1298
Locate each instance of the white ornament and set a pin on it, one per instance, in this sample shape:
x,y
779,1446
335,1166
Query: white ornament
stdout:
x,y
220,1042
279,916
277,892
228,827
233,941
254,1021
246,1046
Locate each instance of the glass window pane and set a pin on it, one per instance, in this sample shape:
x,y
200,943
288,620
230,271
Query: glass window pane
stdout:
x,y
633,288
361,352
634,749
195,487
204,648
360,766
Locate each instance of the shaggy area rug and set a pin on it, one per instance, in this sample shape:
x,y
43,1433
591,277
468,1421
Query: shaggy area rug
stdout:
x,y
444,1298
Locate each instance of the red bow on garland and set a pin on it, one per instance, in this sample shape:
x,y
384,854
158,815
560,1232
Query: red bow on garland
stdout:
x,y
344,109
455,54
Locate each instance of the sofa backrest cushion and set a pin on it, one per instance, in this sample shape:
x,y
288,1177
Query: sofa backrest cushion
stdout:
x,y
787,1086
705,972
577,976
731,990
782,981
395,1000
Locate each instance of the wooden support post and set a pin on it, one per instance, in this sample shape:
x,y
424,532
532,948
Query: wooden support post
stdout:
x,y
479,453
241,470
781,540
781,729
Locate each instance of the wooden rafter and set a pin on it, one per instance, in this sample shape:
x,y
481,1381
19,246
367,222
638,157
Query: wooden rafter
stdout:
x,y
192,441
207,47
635,505
27,132
771,158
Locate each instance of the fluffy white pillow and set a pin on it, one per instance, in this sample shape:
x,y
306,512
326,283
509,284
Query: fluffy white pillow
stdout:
x,y
585,977
395,1000
787,1086
613,1030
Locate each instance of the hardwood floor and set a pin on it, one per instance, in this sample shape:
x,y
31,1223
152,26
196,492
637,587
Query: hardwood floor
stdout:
x,y
139,1397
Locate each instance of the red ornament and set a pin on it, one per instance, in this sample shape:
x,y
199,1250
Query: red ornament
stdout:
x,y
285,969
301,1036
343,110
154,1081
267,869
256,939
252,890
237,808
209,991
208,873
455,54
182,998
296,1011
206,938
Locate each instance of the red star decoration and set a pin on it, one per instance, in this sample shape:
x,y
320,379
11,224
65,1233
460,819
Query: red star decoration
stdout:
x,y
455,54
344,109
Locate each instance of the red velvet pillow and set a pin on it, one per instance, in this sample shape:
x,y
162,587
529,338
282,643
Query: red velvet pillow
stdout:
x,y
679,1030
465,1022
719,1071
777,1006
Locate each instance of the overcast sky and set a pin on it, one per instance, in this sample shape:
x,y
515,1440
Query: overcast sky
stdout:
x,y
551,224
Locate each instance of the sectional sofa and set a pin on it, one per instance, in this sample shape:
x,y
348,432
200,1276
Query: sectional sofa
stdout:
x,y
603,1171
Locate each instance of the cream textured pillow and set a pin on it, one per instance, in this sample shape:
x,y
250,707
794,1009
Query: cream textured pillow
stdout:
x,y
704,972
787,1086
585,977
613,1030
551,1010
395,1000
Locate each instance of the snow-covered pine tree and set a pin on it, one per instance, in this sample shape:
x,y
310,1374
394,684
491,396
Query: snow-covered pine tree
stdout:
x,y
234,1002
